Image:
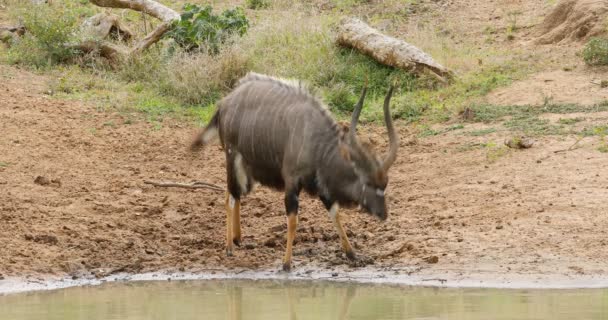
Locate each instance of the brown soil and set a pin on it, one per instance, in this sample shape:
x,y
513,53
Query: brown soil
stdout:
x,y
453,209
570,87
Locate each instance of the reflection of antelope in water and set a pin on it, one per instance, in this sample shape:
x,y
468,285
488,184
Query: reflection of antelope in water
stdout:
x,y
292,292
278,134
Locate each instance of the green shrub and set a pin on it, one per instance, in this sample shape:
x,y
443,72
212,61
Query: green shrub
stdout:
x,y
257,4
596,52
200,29
49,29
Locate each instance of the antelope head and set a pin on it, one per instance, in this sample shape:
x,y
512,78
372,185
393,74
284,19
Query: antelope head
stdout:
x,y
368,190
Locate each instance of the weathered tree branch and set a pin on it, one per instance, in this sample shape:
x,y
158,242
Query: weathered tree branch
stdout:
x,y
387,50
105,49
103,25
193,185
153,8
18,30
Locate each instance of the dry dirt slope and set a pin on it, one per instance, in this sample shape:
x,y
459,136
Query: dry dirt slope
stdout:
x,y
528,212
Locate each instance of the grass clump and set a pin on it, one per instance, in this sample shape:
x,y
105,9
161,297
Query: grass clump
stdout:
x,y
257,4
482,132
570,121
595,52
487,113
201,79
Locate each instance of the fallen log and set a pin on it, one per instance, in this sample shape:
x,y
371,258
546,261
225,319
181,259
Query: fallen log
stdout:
x,y
354,33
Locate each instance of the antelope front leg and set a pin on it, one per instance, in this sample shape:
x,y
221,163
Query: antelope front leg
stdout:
x,y
335,217
291,205
236,223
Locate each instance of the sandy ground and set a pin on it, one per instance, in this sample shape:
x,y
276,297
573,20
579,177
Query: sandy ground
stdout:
x,y
468,215
455,213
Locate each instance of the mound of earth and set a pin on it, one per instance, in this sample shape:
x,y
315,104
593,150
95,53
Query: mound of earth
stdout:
x,y
573,20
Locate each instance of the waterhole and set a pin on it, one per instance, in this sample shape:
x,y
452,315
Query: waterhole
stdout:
x,y
239,299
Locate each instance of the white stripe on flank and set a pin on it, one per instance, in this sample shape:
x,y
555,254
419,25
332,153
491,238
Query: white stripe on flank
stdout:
x,y
239,170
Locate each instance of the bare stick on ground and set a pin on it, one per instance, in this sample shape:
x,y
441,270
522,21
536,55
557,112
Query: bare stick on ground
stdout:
x,y
193,185
354,33
573,20
572,147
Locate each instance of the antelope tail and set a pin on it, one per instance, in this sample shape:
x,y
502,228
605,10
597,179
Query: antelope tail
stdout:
x,y
206,135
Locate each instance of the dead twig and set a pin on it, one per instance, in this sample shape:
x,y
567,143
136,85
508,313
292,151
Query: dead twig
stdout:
x,y
570,148
193,185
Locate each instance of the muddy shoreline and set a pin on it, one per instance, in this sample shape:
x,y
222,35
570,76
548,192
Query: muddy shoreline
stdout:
x,y
401,277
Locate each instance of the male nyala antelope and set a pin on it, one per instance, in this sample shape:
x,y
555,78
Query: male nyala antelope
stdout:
x,y
278,134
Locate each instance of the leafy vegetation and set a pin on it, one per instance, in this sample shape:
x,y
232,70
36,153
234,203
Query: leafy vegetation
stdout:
x,y
49,30
595,52
200,29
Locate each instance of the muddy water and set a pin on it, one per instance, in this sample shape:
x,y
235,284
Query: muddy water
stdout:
x,y
298,300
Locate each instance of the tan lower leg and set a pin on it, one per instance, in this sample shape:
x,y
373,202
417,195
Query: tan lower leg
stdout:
x,y
292,220
335,216
236,223
229,209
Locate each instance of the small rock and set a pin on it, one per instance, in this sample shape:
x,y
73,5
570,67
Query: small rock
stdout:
x,y
149,251
334,274
270,243
468,114
43,181
249,246
278,228
519,143
498,227
432,259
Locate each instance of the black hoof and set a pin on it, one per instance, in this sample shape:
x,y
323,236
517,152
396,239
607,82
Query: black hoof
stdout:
x,y
360,261
237,242
287,266
229,252
351,255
